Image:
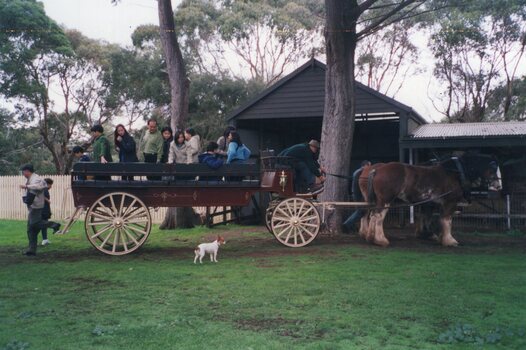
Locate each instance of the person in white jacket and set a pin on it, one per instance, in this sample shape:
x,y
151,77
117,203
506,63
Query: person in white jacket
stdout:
x,y
34,199
193,146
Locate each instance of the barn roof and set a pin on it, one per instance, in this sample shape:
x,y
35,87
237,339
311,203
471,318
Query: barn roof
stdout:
x,y
458,135
452,130
301,94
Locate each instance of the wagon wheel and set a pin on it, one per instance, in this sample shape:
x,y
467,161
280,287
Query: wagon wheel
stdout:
x,y
118,223
268,214
295,222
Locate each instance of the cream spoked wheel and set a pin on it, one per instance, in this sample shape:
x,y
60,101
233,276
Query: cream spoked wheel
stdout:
x,y
268,214
118,223
295,222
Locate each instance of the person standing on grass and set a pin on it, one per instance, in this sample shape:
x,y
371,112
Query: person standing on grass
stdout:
x,y
35,199
151,146
349,224
46,211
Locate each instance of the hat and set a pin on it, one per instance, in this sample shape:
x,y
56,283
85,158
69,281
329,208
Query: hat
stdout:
x,y
314,143
28,167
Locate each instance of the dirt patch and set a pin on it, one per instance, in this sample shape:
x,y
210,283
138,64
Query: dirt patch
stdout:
x,y
84,283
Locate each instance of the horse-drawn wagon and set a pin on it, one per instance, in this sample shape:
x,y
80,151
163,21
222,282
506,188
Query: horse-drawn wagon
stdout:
x,y
118,198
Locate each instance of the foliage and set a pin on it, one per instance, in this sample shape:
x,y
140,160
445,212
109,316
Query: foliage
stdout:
x,y
267,37
332,295
212,97
20,145
478,46
498,97
39,59
385,58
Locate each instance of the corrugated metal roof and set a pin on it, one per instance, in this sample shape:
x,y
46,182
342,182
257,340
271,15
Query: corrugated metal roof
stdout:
x,y
449,130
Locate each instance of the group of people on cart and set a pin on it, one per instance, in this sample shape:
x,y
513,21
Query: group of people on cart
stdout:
x,y
164,146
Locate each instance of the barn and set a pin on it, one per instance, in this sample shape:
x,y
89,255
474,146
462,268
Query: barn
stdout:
x,y
291,111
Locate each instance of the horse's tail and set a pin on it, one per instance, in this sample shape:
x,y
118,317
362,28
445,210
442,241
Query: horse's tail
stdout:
x,y
371,197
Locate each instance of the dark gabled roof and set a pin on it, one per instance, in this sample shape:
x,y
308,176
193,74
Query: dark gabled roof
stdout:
x,y
455,130
302,93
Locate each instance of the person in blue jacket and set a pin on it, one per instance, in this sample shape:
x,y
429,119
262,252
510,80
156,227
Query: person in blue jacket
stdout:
x,y
237,152
211,158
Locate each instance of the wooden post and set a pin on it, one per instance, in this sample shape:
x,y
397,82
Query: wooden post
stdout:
x,y
508,211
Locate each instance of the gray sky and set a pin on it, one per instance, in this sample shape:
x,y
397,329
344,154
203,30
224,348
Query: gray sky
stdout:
x,y
99,19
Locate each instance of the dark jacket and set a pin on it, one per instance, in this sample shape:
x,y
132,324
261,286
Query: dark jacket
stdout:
x,y
212,160
303,153
355,186
46,211
127,149
166,150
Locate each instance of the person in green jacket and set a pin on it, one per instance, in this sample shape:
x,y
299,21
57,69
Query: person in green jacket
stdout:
x,y
101,146
101,149
151,146
309,173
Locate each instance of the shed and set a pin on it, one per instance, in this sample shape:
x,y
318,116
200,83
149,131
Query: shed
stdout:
x,y
291,111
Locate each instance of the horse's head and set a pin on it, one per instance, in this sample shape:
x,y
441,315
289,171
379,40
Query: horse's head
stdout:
x,y
482,170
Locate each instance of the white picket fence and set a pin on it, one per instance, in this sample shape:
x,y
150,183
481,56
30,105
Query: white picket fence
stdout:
x,y
12,207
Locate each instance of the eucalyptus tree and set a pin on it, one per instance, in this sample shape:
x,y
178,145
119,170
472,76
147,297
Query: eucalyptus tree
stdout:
x,y
346,23
478,46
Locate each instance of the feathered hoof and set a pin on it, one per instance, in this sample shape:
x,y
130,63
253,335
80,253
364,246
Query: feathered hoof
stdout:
x,y
381,242
449,242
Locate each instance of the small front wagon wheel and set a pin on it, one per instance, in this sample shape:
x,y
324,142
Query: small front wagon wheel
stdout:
x,y
295,222
118,223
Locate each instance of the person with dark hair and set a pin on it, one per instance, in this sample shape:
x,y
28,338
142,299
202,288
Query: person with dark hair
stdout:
x,y
101,145
46,211
101,149
167,134
193,145
34,199
178,153
357,196
237,151
151,146
309,174
210,157
78,153
223,140
125,145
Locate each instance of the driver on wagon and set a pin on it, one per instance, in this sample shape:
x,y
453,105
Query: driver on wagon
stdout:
x,y
309,173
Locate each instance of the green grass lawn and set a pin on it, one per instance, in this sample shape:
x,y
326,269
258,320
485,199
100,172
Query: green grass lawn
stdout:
x,y
338,293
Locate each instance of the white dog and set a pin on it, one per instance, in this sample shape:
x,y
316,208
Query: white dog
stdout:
x,y
210,248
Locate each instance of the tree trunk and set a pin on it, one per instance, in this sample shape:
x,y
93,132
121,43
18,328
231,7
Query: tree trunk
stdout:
x,y
179,85
338,118
179,82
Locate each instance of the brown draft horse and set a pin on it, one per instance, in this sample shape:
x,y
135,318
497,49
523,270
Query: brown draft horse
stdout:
x,y
445,184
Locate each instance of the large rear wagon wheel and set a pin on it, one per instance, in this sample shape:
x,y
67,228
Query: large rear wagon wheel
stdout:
x,y
118,223
295,222
268,214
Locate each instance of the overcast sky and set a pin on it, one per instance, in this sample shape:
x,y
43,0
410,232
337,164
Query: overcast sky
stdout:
x,y
99,19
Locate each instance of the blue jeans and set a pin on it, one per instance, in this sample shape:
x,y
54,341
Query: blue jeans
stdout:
x,y
357,214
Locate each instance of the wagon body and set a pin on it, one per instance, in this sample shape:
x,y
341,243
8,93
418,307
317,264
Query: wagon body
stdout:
x,y
118,198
